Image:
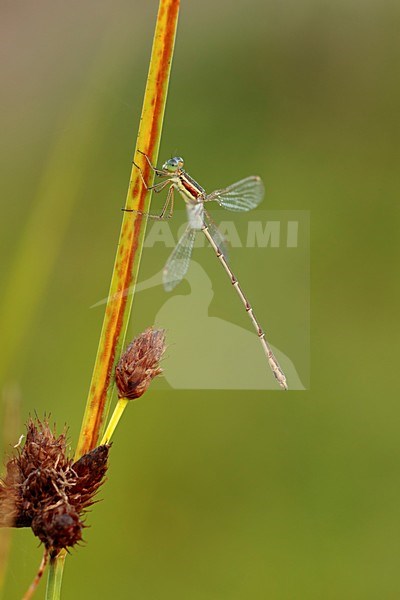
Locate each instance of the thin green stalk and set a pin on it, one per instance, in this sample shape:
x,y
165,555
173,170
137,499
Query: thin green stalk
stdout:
x,y
133,228
54,580
129,249
115,418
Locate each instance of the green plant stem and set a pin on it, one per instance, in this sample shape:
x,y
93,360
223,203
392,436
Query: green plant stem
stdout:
x,y
130,244
54,580
129,251
117,414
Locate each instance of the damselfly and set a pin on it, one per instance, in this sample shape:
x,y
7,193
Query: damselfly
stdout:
x,y
240,196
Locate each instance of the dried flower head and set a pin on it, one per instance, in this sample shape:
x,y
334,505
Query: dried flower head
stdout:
x,y
45,490
140,363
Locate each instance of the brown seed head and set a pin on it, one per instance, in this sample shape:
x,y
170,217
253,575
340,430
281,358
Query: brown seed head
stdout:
x,y
140,363
44,489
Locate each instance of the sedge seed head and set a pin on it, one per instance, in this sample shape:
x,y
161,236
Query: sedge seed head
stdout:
x,y
139,364
46,490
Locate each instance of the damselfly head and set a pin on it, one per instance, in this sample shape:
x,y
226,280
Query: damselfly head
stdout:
x,y
173,164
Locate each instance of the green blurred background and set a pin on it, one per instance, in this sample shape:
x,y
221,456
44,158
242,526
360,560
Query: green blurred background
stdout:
x,y
214,495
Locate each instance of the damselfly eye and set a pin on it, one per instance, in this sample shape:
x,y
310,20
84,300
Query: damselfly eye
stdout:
x,y
173,164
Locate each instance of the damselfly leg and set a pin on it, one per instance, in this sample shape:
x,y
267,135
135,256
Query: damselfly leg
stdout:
x,y
159,172
158,187
162,216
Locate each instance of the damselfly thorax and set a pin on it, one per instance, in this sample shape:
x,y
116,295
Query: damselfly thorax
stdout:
x,y
240,196
193,195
